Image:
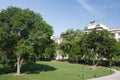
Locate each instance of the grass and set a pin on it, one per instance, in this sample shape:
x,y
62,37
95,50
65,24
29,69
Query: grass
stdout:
x,y
54,71
116,67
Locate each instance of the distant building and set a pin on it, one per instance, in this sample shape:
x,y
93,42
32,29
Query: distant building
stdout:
x,y
59,56
99,26
57,39
116,31
90,27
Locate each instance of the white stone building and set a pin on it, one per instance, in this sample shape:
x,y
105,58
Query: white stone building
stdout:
x,y
116,31
59,56
57,39
99,26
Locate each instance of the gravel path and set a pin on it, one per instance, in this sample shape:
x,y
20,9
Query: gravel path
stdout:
x,y
114,76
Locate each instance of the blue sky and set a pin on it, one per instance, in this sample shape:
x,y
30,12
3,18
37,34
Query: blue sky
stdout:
x,y
76,14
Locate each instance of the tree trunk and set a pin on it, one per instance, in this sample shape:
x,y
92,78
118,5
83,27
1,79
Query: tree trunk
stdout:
x,y
19,62
96,63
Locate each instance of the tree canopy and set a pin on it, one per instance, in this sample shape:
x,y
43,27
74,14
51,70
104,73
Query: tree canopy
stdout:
x,y
92,47
101,45
71,44
23,35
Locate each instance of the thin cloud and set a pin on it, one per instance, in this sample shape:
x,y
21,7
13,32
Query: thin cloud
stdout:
x,y
85,5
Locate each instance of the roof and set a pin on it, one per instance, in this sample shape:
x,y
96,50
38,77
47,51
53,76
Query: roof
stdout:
x,y
94,25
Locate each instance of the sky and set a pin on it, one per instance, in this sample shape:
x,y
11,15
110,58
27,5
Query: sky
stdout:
x,y
75,14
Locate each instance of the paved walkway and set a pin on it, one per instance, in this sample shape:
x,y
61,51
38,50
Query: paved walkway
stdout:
x,y
114,76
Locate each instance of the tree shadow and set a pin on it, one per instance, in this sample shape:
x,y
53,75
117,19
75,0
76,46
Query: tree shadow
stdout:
x,y
29,69
7,70
36,68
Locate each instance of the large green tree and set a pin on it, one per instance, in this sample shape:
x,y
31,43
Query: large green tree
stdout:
x,y
101,45
23,35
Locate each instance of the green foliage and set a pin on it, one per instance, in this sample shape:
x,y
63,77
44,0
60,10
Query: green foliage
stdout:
x,y
65,46
100,44
75,52
116,56
24,34
72,35
71,44
50,50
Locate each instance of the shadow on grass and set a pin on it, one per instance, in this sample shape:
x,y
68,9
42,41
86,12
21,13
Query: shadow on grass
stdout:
x,y
29,69
7,70
36,68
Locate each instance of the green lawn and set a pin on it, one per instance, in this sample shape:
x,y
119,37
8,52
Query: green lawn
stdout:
x,y
116,67
54,71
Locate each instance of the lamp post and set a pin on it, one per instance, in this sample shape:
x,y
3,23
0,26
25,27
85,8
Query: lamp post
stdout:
x,y
83,72
110,62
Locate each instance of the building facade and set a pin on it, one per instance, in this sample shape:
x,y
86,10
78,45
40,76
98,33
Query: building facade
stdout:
x,y
90,27
59,56
99,26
